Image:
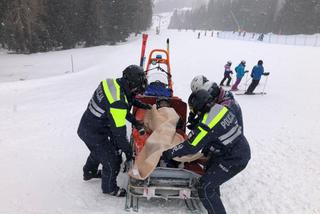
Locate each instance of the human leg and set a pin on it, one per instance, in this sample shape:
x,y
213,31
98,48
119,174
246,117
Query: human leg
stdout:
x,y
222,81
210,182
235,85
229,80
252,86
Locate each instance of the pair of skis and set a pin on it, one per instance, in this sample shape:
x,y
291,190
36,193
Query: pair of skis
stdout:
x,y
257,93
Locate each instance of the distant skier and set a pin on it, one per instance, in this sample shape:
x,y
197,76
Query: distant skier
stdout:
x,y
227,74
240,73
199,35
256,74
260,38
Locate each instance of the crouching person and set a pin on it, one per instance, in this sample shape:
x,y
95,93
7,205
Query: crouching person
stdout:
x,y
103,127
219,135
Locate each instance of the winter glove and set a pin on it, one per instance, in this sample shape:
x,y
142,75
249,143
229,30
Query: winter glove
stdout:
x,y
149,107
251,75
266,74
191,126
191,117
140,104
140,127
246,71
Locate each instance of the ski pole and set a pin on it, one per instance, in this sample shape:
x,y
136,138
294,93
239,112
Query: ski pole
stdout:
x,y
265,84
246,83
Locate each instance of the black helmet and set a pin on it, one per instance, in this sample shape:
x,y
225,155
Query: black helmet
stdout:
x,y
135,78
214,90
243,62
200,101
260,62
160,100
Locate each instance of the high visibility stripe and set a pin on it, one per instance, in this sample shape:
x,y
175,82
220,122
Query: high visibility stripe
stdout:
x,y
94,112
107,91
112,90
119,116
96,107
218,117
199,137
117,87
233,137
214,111
210,119
229,133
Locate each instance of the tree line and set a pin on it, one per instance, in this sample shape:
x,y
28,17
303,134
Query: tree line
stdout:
x,y
261,16
28,26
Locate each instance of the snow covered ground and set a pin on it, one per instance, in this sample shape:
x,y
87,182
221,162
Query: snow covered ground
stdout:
x,y
41,102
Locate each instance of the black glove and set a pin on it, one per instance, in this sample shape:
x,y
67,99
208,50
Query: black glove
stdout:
x,y
140,104
266,73
251,75
149,106
246,71
167,155
140,127
191,126
191,117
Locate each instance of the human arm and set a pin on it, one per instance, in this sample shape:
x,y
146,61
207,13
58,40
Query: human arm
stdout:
x,y
140,104
137,124
197,139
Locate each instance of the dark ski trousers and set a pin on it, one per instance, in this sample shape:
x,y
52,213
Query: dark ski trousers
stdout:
x,y
224,79
220,170
209,191
252,86
102,151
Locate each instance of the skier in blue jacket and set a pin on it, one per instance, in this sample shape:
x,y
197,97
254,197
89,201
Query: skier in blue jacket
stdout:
x,y
256,74
240,73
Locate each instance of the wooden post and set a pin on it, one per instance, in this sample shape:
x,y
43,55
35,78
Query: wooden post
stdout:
x,y
72,64
316,42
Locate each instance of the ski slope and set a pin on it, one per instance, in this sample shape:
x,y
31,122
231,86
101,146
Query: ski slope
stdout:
x,y
42,102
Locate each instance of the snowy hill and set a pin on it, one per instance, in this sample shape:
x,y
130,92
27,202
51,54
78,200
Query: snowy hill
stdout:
x,y
42,102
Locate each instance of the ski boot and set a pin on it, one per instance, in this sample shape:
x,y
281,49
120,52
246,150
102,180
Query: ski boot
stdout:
x,y
118,193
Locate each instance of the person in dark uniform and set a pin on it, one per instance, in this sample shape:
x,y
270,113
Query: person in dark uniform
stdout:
x,y
103,126
224,97
220,138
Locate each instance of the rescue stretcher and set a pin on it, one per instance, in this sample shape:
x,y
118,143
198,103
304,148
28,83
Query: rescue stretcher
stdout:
x,y
164,182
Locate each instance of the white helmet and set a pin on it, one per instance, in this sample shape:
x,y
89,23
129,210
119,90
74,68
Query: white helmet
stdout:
x,y
198,82
207,85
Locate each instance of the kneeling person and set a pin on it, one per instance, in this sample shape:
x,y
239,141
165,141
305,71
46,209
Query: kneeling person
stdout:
x,y
219,135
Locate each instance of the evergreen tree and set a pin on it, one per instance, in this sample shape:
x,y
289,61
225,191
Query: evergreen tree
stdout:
x,y
28,26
